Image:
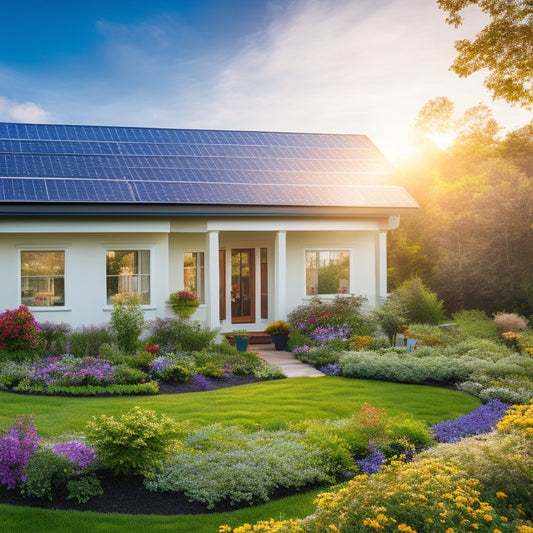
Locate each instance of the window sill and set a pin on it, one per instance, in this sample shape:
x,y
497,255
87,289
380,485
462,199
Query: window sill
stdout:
x,y
46,309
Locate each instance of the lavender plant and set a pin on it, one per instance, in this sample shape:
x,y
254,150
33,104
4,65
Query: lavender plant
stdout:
x,y
75,452
16,448
481,420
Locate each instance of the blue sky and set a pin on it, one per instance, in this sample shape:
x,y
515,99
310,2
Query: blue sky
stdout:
x,y
345,66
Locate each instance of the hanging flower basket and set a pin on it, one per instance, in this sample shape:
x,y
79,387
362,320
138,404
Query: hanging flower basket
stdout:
x,y
183,303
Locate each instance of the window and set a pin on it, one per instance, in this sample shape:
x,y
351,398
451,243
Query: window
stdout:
x,y
128,271
193,274
327,272
42,278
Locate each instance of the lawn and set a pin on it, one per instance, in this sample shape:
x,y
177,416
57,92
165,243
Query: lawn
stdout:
x,y
268,404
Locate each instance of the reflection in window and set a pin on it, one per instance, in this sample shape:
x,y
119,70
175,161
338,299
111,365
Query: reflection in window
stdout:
x,y
128,271
327,272
193,274
42,278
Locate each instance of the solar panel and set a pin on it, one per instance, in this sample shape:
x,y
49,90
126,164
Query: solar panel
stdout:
x,y
99,164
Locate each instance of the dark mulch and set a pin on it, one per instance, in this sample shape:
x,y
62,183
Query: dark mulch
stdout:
x,y
129,495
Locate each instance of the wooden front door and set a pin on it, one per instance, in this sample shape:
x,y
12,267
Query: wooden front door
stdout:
x,y
242,285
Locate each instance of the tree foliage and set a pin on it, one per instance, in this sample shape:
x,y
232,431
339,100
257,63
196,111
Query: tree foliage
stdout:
x,y
472,240
504,47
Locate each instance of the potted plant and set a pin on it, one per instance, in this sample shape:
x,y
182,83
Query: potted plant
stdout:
x,y
242,338
279,333
183,303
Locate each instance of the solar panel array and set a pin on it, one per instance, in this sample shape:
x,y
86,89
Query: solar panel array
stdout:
x,y
98,164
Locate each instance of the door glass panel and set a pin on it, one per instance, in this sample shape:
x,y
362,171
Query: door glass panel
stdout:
x,y
242,285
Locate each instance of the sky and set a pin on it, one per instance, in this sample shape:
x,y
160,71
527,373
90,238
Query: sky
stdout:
x,y
324,66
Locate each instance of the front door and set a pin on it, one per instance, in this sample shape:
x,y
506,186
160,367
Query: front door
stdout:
x,y
242,285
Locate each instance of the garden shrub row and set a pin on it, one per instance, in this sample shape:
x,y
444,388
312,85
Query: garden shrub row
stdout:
x,y
481,484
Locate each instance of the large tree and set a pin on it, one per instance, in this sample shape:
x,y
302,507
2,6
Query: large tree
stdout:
x,y
504,47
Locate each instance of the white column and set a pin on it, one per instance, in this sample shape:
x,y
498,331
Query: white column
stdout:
x,y
382,267
280,276
213,280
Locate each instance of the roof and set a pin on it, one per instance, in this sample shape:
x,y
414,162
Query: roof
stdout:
x,y
62,165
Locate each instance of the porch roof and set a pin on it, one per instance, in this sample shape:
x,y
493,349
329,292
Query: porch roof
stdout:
x,y
59,167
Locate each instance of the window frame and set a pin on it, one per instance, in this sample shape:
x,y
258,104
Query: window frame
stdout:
x,y
201,297
129,248
66,275
322,250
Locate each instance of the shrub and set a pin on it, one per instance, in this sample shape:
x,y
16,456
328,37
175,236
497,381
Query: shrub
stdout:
x,y
502,462
53,338
475,323
125,375
318,356
239,468
318,314
135,443
180,335
420,304
210,369
45,471
427,335
18,333
127,321
509,322
16,448
87,341
391,317
172,368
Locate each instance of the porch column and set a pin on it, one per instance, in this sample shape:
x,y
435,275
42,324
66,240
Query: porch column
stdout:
x,y
213,315
280,277
382,268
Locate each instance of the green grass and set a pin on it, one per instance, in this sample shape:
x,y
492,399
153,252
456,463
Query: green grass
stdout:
x,y
269,405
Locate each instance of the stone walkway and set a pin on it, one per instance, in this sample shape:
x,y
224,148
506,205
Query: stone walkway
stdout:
x,y
290,366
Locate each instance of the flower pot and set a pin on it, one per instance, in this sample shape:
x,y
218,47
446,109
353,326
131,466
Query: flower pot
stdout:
x,y
241,343
280,341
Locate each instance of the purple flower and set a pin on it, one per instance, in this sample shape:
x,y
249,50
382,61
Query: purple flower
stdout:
x,y
75,452
331,332
301,349
202,382
481,420
331,369
15,450
373,462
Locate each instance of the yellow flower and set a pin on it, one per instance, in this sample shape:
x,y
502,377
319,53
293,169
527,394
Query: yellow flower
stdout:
x,y
487,518
224,529
501,495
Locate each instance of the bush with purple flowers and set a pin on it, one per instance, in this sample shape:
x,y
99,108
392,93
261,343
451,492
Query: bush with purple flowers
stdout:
x,y
16,448
75,452
373,462
331,369
69,370
481,420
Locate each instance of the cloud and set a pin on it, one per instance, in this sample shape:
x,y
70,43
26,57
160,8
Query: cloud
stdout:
x,y
13,111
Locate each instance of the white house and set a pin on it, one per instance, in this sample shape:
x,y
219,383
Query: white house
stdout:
x,y
253,223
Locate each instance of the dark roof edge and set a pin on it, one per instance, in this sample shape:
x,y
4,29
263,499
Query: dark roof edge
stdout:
x,y
36,209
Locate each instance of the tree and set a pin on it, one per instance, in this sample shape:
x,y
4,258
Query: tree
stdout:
x,y
504,47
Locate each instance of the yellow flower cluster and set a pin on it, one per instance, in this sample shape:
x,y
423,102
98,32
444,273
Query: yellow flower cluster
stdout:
x,y
518,418
265,526
407,498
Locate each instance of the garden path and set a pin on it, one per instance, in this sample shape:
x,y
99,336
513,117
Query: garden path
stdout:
x,y
290,366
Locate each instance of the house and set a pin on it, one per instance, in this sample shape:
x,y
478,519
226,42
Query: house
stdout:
x,y
253,223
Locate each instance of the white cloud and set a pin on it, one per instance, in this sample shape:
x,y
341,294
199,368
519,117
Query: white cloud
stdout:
x,y
13,111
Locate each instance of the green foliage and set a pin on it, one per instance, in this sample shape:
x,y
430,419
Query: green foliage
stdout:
x,y
138,389
87,341
210,369
181,335
419,303
126,375
83,488
475,323
319,356
391,317
236,467
183,303
135,443
127,321
46,470
53,338
503,47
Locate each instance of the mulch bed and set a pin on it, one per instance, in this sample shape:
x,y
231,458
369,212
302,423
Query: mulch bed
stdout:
x,y
129,495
